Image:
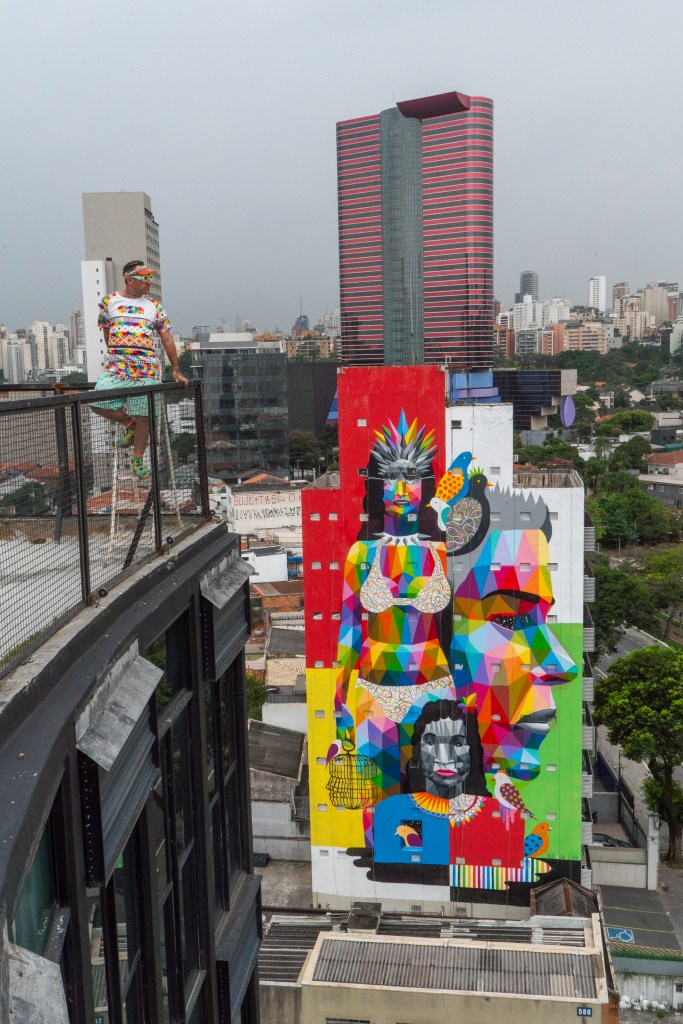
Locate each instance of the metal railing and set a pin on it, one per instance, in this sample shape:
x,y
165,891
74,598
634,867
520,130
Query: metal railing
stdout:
x,y
74,516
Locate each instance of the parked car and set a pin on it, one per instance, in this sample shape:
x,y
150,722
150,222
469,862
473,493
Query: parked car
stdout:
x,y
602,839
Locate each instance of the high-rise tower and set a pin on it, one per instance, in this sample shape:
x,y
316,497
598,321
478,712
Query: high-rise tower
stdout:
x,y
528,285
117,227
415,189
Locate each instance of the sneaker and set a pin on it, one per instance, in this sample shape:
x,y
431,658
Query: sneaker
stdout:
x,y
128,438
139,468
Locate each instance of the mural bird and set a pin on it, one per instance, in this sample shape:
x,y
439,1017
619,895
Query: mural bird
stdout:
x,y
335,749
453,486
409,836
538,840
469,518
508,796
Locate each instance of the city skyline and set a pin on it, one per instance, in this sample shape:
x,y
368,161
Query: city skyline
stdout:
x,y
246,193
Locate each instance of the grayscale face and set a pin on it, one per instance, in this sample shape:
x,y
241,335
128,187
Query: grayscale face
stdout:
x,y
445,756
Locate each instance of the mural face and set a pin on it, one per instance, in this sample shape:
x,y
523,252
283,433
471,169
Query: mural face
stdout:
x,y
510,659
445,700
445,757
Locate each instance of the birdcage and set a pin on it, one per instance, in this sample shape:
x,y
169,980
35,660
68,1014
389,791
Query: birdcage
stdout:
x,y
350,784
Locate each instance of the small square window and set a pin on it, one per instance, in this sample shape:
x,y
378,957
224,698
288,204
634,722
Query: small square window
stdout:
x,y
322,807
552,767
315,517
496,862
337,615
495,470
319,713
316,565
459,860
323,853
362,471
340,807
551,816
456,424
322,761
319,664
525,566
554,516
334,565
552,566
333,517
364,617
362,423
495,566
525,516
318,616
552,618
363,517
496,814
416,857
416,908
495,517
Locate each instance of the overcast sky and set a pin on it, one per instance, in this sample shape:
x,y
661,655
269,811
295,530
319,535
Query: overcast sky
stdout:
x,y
225,112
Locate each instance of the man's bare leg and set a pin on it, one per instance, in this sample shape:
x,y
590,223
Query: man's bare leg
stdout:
x,y
141,436
115,415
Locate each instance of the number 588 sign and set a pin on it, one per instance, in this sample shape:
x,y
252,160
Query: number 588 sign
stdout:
x,y
584,1011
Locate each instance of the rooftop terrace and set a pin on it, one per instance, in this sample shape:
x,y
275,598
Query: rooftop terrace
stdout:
x,y
74,519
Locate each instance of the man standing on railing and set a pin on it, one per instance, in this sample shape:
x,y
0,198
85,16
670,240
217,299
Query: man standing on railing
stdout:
x,y
129,320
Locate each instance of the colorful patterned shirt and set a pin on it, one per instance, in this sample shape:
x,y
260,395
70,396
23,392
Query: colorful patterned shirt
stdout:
x,y
131,324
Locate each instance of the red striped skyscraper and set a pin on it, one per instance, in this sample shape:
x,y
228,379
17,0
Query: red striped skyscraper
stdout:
x,y
416,233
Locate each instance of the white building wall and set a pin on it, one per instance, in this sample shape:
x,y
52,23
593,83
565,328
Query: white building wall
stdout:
x,y
96,282
271,568
597,292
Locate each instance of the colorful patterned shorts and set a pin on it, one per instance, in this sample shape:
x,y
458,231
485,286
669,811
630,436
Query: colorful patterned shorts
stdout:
x,y
107,381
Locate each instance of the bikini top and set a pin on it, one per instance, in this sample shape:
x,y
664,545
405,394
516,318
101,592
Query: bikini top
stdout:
x,y
376,594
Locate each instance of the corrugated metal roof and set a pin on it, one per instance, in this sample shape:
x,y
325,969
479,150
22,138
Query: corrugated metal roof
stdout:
x,y
431,965
286,641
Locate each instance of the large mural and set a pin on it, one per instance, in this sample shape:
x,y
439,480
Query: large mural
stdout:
x,y
442,691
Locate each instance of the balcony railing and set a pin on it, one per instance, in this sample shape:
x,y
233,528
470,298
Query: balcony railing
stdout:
x,y
74,518
588,679
588,583
588,631
587,729
589,538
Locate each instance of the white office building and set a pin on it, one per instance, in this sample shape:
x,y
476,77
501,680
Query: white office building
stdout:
x,y
117,227
597,292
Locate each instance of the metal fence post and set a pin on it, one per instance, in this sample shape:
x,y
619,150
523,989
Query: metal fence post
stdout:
x,y
200,434
154,459
81,494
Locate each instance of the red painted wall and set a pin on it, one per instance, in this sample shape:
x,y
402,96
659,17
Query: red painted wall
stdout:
x,y
367,397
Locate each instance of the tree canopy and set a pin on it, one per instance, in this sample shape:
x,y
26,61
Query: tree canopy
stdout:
x,y
641,703
622,599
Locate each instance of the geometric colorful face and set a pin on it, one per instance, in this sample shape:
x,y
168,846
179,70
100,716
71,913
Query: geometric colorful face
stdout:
x,y
510,659
402,491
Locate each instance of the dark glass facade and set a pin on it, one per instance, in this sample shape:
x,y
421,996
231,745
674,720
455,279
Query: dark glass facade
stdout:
x,y
416,233
529,391
245,406
125,844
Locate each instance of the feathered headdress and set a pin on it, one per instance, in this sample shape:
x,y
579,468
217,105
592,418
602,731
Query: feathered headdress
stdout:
x,y
405,443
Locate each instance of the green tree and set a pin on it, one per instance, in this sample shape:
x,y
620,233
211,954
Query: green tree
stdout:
x,y
630,455
592,472
621,600
304,448
641,703
663,578
623,516
31,499
74,378
256,696
184,445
